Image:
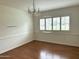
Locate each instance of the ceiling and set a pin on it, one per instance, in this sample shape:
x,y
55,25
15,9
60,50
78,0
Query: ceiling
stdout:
x,y
41,4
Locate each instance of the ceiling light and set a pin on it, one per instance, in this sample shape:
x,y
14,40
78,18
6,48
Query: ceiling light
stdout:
x,y
33,11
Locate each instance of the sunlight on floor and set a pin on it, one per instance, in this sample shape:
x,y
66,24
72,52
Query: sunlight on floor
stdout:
x,y
47,55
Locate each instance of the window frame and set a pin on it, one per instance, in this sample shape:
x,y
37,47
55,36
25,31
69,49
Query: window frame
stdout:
x,y
69,23
60,24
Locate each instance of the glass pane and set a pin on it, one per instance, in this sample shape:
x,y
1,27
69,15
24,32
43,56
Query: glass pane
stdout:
x,y
42,24
56,23
65,23
48,23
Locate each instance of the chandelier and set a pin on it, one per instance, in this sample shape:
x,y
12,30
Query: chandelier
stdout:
x,y
33,11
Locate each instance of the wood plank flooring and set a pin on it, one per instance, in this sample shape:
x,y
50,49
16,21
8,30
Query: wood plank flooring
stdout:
x,y
42,50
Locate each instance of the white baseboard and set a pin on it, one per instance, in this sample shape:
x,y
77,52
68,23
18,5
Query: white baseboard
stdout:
x,y
13,47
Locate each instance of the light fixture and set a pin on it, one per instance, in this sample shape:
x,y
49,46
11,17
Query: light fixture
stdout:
x,y
33,11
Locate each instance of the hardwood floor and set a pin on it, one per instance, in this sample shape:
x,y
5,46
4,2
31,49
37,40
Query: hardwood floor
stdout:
x,y
42,50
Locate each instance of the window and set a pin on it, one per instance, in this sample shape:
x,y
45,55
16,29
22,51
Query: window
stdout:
x,y
65,23
55,23
48,23
42,24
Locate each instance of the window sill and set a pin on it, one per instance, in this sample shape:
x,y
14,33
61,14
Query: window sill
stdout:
x,y
54,31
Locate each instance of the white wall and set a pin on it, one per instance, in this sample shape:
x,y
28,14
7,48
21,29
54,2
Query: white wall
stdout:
x,y
15,28
68,38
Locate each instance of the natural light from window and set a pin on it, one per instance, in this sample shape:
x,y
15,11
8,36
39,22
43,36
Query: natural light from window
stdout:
x,y
48,23
42,24
65,23
55,23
